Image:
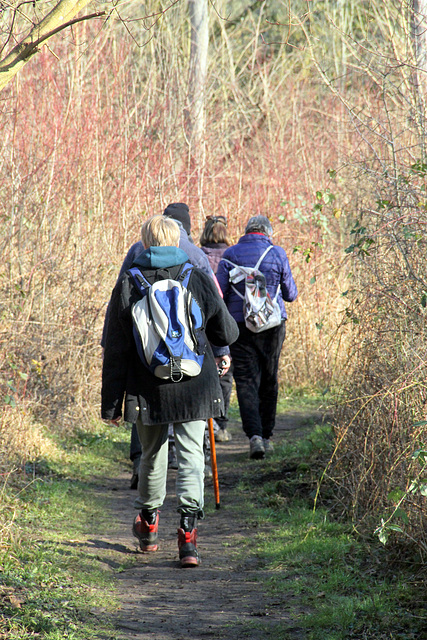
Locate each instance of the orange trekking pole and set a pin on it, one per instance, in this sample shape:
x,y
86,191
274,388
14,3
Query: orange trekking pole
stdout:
x,y
213,462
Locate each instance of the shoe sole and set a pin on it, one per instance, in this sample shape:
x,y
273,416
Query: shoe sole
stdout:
x,y
190,561
257,455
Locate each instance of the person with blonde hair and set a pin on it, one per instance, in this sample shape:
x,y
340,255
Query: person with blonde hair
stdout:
x,y
158,231
153,403
179,212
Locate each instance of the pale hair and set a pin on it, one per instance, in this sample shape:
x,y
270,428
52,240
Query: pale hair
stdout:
x,y
159,231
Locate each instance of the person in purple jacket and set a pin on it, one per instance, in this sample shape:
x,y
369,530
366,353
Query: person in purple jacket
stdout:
x,y
214,241
256,355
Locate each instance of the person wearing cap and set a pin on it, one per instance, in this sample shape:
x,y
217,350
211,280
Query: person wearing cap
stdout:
x,y
179,212
256,355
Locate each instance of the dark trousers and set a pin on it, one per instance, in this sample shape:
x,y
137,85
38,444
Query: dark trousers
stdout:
x,y
135,444
226,383
256,363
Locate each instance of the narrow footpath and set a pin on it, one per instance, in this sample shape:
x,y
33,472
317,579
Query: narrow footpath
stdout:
x,y
223,598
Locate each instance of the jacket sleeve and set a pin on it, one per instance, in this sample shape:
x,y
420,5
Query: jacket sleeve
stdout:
x,y
287,284
133,252
222,277
117,355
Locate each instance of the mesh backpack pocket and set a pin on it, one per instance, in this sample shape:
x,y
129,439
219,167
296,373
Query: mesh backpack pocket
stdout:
x,y
168,326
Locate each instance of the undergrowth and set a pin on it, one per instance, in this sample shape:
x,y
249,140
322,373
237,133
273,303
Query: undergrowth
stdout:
x,y
51,584
348,586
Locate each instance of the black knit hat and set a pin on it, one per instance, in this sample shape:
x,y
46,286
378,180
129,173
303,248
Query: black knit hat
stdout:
x,y
179,211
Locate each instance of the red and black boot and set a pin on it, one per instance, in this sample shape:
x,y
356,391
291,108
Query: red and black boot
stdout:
x,y
145,527
187,538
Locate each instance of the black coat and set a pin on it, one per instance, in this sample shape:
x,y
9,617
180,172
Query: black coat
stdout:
x,y
124,377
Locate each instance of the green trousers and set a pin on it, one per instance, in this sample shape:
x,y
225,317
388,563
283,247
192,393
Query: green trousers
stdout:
x,y
154,465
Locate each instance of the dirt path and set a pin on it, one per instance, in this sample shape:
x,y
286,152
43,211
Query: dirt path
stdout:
x,y
222,598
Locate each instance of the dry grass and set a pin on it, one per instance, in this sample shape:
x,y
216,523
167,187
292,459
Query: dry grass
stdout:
x,y
83,166
22,439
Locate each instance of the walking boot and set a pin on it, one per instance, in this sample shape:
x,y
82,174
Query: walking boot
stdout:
x,y
222,435
268,446
256,448
145,527
187,537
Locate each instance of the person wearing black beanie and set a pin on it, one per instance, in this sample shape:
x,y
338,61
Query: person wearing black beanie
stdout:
x,y
179,211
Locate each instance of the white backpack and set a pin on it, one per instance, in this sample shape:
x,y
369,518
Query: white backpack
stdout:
x,y
260,310
168,326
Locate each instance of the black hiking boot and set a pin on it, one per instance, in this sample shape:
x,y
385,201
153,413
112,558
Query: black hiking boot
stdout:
x,y
187,538
145,528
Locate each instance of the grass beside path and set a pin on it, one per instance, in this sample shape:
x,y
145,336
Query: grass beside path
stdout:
x,y
347,588
350,588
48,588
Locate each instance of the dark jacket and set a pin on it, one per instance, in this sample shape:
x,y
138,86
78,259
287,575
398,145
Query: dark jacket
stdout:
x,y
275,267
195,254
214,251
124,377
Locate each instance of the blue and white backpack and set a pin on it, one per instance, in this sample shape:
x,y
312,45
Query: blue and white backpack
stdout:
x,y
260,310
168,326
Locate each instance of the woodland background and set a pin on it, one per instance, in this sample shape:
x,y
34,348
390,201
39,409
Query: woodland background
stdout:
x,y
314,115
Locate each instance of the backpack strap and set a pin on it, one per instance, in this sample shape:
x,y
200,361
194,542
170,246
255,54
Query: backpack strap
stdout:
x,y
246,270
185,274
258,265
141,283
232,263
262,257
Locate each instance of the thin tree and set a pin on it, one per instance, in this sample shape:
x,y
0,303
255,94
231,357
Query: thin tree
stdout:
x,y
419,40
61,17
195,112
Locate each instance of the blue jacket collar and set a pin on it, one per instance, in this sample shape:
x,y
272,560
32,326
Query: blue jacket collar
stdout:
x,y
255,237
160,258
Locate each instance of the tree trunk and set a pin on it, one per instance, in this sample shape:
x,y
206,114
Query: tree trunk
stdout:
x,y
195,119
419,40
419,34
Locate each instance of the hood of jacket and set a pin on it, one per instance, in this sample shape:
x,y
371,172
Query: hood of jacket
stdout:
x,y
160,258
